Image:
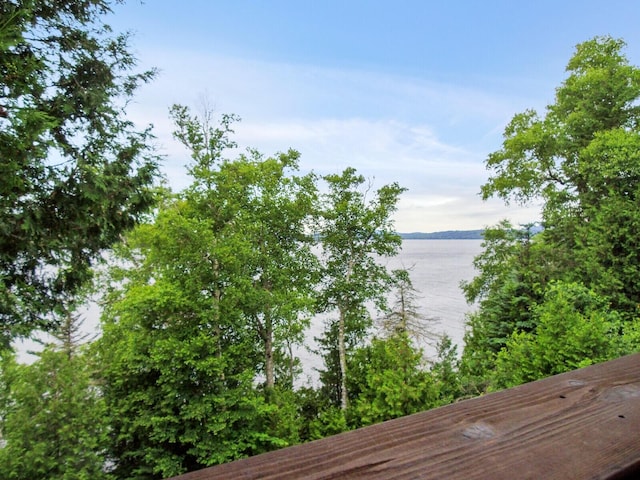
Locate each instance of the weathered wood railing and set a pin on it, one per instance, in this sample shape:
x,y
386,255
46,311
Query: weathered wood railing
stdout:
x,y
577,425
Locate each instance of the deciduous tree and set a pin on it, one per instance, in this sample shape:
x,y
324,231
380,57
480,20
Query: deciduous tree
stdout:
x,y
355,231
580,161
205,300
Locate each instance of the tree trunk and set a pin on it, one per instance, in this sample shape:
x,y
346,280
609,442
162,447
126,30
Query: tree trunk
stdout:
x,y
291,371
217,295
268,352
344,403
342,347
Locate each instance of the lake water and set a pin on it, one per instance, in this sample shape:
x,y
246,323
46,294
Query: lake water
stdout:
x,y
436,267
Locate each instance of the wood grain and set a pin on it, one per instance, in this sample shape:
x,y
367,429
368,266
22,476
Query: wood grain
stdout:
x,y
583,424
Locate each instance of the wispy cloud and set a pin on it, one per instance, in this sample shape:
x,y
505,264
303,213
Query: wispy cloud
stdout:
x,y
429,137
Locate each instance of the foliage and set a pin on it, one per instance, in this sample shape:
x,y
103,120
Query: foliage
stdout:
x,y
354,232
206,300
446,372
387,380
608,241
259,213
543,157
513,270
319,415
177,403
53,419
575,328
580,160
75,172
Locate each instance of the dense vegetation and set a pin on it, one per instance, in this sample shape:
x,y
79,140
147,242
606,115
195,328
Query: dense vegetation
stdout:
x,y
75,174
567,296
207,293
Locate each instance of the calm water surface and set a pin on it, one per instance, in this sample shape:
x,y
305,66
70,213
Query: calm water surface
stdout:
x,y
436,267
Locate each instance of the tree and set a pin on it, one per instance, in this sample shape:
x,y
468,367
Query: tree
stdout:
x,y
403,317
446,372
513,270
75,172
319,415
205,300
178,363
609,239
278,265
353,231
52,417
543,157
388,380
589,332
266,212
580,161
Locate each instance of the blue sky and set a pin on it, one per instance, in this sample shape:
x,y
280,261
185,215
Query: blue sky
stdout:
x,y
411,91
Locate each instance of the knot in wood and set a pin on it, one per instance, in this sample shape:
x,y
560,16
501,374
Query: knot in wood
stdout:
x,y
621,393
478,431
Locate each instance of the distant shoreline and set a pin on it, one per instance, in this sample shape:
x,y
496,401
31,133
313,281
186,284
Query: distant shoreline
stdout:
x,y
445,235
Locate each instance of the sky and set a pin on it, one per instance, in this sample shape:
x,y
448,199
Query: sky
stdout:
x,y
412,91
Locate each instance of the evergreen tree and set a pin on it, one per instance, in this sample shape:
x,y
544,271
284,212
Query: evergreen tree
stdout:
x,y
53,418
575,328
580,161
388,379
75,173
403,316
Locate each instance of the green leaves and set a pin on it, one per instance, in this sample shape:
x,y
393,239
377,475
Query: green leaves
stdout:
x,y
575,328
581,161
353,231
75,173
540,158
208,301
53,420
388,381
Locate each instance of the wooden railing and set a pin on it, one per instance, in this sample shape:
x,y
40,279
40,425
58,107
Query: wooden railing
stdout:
x,y
577,425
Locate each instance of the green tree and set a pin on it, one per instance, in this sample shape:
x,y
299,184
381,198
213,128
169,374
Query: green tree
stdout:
x,y
575,328
404,320
266,212
446,372
278,265
178,364
75,173
53,419
580,161
512,270
354,231
317,414
610,237
206,300
543,157
388,379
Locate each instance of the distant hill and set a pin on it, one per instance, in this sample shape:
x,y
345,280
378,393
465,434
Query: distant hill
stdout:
x,y
446,235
